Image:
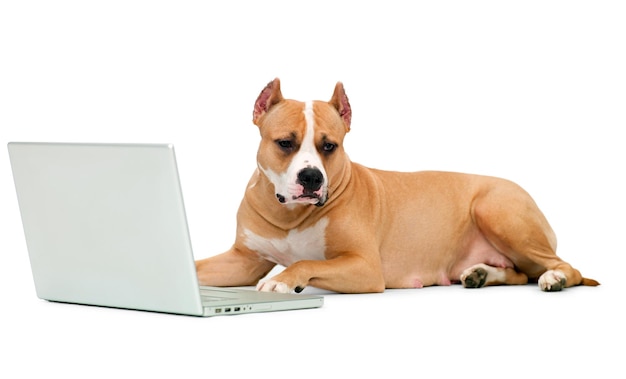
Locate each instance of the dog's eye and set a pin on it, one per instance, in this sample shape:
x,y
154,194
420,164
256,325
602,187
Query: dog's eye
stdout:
x,y
285,144
328,147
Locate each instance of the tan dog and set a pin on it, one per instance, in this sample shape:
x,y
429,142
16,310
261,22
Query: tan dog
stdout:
x,y
337,225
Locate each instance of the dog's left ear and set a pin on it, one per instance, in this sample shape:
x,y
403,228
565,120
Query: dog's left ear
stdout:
x,y
270,96
341,103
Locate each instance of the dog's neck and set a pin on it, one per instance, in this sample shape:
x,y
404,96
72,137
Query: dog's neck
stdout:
x,y
293,216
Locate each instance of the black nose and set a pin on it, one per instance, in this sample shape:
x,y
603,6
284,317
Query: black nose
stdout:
x,y
311,179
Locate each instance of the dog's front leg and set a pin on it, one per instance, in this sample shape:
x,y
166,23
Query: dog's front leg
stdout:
x,y
232,268
345,274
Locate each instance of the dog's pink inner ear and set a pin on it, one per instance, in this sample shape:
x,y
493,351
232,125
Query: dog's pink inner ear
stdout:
x,y
341,103
269,96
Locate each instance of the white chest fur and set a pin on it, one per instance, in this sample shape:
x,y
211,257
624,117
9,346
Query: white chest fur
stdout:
x,y
309,244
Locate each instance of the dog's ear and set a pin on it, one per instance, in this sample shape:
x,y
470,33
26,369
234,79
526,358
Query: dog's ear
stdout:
x,y
270,96
341,103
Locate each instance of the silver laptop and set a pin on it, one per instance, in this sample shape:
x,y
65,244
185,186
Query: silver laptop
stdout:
x,y
105,225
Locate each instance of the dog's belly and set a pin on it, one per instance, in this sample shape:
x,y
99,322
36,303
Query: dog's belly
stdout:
x,y
478,250
441,264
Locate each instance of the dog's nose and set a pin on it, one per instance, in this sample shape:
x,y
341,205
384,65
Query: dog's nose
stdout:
x,y
311,179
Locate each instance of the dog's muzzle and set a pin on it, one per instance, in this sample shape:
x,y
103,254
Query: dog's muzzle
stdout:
x,y
309,183
311,180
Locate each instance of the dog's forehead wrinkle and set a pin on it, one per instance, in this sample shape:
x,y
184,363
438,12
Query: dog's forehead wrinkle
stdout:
x,y
286,131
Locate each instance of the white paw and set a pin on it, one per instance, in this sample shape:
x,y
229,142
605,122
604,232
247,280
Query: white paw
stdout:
x,y
273,286
552,280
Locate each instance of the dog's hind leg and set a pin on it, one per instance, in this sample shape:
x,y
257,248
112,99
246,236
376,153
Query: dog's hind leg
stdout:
x,y
482,275
511,221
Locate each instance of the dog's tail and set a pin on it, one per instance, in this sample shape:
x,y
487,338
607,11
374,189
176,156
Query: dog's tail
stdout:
x,y
589,282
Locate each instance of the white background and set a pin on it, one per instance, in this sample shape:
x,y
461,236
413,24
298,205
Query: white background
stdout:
x,y
533,91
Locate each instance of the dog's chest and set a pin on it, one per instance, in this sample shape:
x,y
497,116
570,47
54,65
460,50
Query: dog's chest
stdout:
x,y
297,245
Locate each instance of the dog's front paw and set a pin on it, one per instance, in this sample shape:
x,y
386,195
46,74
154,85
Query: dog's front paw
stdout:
x,y
552,280
273,286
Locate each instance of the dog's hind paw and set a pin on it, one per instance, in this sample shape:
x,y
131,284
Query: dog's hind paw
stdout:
x,y
474,277
552,280
273,286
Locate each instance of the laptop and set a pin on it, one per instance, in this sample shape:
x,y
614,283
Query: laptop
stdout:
x,y
105,225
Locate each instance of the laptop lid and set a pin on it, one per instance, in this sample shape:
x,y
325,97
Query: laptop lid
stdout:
x,y
105,225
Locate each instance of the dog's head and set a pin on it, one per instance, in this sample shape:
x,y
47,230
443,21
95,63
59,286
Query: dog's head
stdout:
x,y
301,150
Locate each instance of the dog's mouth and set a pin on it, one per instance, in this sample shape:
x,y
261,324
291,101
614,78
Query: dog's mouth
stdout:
x,y
305,198
312,198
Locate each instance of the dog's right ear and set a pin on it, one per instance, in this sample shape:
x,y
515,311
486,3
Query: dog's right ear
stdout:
x,y
270,96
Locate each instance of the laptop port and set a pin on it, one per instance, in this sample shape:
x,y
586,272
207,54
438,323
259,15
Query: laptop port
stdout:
x,y
237,309
226,309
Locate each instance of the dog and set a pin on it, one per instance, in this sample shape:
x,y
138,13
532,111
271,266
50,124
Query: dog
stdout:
x,y
337,225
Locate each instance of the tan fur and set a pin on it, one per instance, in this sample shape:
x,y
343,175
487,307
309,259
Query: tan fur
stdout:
x,y
385,229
